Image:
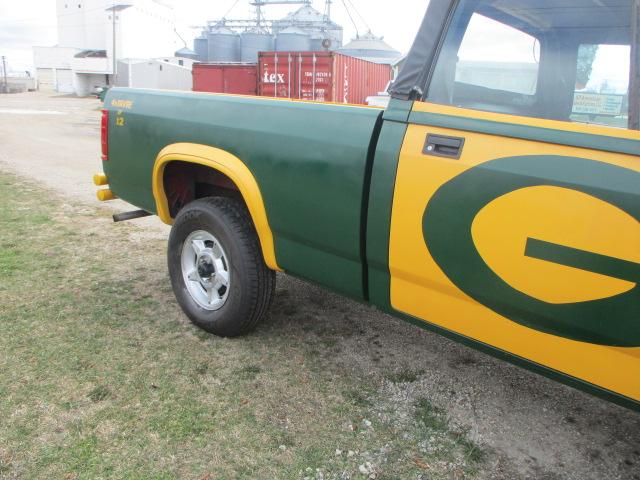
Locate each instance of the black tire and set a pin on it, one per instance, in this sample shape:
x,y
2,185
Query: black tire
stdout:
x,y
252,282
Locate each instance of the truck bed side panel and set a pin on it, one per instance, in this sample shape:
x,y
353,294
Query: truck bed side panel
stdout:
x,y
309,160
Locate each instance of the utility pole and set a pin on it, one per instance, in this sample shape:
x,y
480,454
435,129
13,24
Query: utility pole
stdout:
x,y
4,69
259,15
115,8
115,62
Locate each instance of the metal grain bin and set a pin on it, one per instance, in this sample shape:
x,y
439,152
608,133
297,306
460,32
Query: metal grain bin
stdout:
x,y
320,76
316,43
201,47
252,42
224,45
186,53
239,78
293,39
371,47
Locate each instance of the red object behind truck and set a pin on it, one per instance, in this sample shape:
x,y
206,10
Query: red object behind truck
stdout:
x,y
320,76
236,78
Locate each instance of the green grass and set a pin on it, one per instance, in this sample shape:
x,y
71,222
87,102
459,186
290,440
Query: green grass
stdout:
x,y
406,375
101,376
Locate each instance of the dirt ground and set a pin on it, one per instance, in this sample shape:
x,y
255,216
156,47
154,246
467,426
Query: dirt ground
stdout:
x,y
532,427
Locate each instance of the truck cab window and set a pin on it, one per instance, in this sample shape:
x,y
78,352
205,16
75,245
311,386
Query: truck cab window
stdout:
x,y
514,69
549,59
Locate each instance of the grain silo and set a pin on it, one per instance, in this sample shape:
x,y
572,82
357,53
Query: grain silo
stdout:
x,y
186,53
231,40
293,39
318,25
317,43
254,41
223,45
201,47
371,48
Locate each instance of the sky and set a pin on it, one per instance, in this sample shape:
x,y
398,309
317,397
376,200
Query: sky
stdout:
x,y
26,23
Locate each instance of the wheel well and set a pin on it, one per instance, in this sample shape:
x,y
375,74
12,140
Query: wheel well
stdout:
x,y
185,182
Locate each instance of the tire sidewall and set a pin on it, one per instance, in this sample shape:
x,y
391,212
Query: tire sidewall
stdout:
x,y
205,216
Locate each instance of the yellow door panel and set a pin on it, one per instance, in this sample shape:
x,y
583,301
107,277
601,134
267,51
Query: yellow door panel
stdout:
x,y
521,238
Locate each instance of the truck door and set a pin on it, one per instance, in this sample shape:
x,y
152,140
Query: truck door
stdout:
x,y
516,212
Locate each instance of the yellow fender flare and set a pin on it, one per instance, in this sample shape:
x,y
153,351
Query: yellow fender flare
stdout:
x,y
232,167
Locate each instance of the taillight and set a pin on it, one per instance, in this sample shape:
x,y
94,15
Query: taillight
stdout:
x,y
104,134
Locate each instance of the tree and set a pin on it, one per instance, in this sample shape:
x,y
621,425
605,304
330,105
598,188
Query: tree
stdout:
x,y
586,57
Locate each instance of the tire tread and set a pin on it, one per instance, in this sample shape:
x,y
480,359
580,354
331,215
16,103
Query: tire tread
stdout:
x,y
261,280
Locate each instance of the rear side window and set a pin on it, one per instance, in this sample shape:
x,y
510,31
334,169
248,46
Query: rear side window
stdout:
x,y
498,57
561,60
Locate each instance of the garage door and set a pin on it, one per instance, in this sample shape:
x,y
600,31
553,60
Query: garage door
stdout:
x,y
65,81
55,80
46,81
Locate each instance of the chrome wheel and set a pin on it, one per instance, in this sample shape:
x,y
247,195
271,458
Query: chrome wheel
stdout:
x,y
206,270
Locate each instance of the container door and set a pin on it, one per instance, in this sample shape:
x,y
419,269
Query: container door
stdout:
x,y
315,77
516,214
277,74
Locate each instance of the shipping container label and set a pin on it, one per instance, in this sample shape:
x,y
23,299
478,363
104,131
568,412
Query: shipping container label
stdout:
x,y
321,77
345,85
274,78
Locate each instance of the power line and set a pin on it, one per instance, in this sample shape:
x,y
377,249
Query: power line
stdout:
x,y
359,15
232,7
350,17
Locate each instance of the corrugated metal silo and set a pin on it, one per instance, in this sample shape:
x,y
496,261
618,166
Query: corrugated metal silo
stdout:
x,y
293,39
252,42
201,47
314,23
372,48
321,43
316,43
224,45
335,34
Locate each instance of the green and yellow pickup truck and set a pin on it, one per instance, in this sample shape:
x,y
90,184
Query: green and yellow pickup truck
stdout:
x,y
496,200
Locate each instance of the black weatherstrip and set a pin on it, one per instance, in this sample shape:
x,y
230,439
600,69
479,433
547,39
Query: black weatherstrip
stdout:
x,y
364,209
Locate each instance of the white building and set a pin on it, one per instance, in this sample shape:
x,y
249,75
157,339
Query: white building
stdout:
x,y
53,68
159,73
93,35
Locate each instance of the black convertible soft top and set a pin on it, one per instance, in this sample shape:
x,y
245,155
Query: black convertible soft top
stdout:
x,y
412,78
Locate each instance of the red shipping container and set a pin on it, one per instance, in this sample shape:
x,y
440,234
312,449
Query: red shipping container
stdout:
x,y
236,78
320,76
